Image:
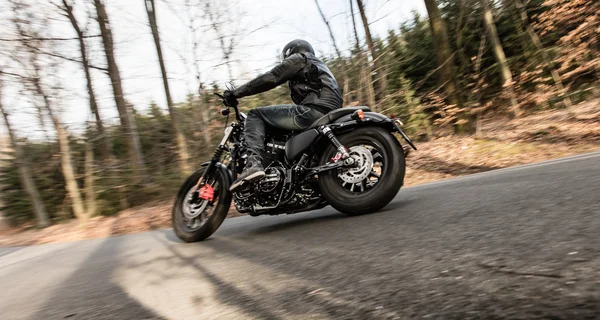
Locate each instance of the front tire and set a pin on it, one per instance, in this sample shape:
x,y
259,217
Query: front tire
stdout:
x,y
212,213
352,197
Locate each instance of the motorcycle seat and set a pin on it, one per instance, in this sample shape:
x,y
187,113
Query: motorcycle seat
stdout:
x,y
336,114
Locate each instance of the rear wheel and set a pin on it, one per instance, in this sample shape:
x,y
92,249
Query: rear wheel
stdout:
x,y
195,219
375,178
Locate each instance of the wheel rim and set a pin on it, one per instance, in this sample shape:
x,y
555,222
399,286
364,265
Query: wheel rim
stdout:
x,y
366,173
195,213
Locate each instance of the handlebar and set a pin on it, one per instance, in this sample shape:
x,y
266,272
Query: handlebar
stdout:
x,y
229,104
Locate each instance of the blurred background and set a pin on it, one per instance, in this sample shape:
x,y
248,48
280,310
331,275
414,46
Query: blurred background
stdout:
x,y
107,105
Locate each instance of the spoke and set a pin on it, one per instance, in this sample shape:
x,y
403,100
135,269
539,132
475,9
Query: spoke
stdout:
x,y
203,217
190,223
362,186
344,184
352,188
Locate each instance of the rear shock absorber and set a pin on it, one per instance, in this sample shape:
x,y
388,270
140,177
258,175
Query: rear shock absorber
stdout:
x,y
343,151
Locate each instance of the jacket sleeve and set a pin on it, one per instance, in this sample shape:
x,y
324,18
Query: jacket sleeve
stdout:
x,y
279,75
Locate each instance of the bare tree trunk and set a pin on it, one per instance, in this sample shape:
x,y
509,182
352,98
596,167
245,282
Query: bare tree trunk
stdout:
x,y
380,80
102,137
547,61
39,209
204,112
358,59
478,82
62,136
496,45
356,40
445,57
125,114
184,155
341,60
368,82
337,50
65,153
217,26
90,193
360,93
69,171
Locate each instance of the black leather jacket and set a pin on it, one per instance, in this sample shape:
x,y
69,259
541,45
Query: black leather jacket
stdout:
x,y
311,83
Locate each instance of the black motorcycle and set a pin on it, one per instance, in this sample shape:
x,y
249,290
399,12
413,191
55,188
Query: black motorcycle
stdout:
x,y
349,159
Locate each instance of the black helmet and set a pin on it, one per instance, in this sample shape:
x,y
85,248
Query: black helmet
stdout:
x,y
296,46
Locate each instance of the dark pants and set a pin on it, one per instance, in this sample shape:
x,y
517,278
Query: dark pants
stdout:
x,y
288,117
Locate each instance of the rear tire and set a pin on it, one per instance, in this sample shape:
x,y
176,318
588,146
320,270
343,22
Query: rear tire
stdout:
x,y
389,182
220,208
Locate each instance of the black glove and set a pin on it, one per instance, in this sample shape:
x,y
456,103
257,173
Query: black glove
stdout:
x,y
230,98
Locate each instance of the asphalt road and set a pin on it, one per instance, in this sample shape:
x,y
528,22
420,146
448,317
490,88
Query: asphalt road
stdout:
x,y
519,243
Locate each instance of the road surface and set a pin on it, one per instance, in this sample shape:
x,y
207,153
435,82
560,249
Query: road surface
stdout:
x,y
519,243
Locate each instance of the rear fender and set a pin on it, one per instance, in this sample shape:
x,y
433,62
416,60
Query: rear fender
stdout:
x,y
346,123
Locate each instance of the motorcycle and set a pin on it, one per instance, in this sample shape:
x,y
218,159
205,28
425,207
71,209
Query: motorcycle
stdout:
x,y
349,159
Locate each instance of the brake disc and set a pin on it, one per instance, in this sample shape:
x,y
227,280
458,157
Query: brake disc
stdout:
x,y
363,164
193,210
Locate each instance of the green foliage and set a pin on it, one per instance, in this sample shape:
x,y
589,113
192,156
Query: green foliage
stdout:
x,y
45,169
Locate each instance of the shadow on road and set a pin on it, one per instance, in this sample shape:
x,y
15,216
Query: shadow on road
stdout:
x,y
255,306
90,293
304,222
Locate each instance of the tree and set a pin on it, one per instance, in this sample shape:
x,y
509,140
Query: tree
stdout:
x,y
201,101
25,176
33,81
381,80
180,138
537,41
125,114
356,40
346,84
102,137
496,45
572,26
65,149
217,19
445,60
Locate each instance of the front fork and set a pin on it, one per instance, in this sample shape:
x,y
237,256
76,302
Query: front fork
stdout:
x,y
212,165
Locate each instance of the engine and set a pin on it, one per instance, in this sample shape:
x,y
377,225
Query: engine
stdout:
x,y
267,194
274,152
274,193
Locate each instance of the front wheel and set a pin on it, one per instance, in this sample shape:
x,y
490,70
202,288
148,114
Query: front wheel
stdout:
x,y
374,180
194,219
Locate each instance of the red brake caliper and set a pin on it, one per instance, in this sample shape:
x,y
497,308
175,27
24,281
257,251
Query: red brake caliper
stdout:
x,y
207,192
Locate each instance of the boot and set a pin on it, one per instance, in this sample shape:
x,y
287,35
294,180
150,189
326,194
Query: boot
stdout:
x,y
253,172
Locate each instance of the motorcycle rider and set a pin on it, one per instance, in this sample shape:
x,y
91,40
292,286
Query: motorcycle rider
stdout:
x,y
314,91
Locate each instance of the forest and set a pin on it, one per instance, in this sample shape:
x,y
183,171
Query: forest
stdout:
x,y
443,73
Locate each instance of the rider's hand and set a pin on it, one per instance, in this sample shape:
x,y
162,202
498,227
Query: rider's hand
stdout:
x,y
230,98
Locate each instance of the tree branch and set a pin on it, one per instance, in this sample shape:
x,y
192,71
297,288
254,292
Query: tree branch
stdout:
x,y
73,60
46,39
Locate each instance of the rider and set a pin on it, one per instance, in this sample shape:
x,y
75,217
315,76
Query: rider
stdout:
x,y
314,92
